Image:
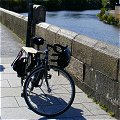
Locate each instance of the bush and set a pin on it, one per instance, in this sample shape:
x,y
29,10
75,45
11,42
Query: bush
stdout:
x,y
104,17
117,21
107,18
102,12
110,19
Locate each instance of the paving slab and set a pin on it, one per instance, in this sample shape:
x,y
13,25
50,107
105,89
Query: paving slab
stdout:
x,y
8,102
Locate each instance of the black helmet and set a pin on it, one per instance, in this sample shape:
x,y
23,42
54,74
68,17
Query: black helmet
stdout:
x,y
64,55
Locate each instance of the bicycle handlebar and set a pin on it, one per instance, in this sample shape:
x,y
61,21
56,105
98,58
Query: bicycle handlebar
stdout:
x,y
57,48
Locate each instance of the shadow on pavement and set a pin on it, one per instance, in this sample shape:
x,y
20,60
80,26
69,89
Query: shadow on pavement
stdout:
x,y
50,104
71,113
2,68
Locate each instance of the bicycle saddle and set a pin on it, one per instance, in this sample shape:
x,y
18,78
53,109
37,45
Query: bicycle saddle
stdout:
x,y
38,40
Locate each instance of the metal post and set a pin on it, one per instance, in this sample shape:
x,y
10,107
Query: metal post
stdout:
x,y
36,14
29,24
39,15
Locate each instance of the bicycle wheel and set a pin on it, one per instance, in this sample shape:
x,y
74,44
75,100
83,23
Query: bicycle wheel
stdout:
x,y
54,101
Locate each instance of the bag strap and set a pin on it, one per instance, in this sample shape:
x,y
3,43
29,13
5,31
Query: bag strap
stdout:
x,y
18,57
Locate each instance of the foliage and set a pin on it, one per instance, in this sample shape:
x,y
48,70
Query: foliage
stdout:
x,y
109,4
102,12
21,5
104,3
53,4
112,20
14,5
105,17
109,19
113,3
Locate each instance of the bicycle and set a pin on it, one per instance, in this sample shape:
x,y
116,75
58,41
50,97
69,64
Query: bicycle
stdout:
x,y
49,90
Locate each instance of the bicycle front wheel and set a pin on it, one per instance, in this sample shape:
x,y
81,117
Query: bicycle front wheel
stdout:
x,y
53,101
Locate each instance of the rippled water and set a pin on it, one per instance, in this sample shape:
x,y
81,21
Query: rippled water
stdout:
x,y
85,23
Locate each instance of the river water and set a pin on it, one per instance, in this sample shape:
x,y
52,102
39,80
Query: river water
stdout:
x,y
85,23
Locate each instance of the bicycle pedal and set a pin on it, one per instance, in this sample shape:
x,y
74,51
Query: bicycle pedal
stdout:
x,y
49,76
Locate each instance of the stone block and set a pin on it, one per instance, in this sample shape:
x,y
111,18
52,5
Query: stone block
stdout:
x,y
107,88
82,48
101,84
76,68
109,107
23,26
65,37
105,59
51,32
118,115
10,20
17,28
104,102
89,77
87,74
12,23
41,29
119,95
6,21
105,63
118,70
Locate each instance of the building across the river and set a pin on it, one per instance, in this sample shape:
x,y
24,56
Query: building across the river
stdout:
x,y
115,13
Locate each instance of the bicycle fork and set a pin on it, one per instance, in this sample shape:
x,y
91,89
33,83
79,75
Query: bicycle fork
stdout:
x,y
46,72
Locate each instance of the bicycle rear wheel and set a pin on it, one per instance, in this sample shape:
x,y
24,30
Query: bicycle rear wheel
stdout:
x,y
51,102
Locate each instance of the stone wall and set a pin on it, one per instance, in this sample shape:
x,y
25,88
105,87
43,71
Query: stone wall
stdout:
x,y
94,65
14,21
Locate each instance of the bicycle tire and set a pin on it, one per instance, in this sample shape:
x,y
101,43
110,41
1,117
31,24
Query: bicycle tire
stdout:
x,y
55,102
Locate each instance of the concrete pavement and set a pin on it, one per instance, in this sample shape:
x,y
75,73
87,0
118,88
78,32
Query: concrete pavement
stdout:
x,y
13,105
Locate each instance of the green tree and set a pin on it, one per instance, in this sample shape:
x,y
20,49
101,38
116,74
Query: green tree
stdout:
x,y
113,3
104,3
21,5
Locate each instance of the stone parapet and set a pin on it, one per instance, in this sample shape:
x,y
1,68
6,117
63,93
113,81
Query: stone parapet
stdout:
x,y
94,65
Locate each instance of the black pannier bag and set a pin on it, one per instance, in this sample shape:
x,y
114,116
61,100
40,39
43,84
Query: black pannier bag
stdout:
x,y
64,55
19,64
64,58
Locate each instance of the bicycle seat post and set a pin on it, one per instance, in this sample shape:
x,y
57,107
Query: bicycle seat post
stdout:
x,y
38,47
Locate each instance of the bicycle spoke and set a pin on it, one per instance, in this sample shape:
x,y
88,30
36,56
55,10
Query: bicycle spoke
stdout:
x,y
42,91
31,92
